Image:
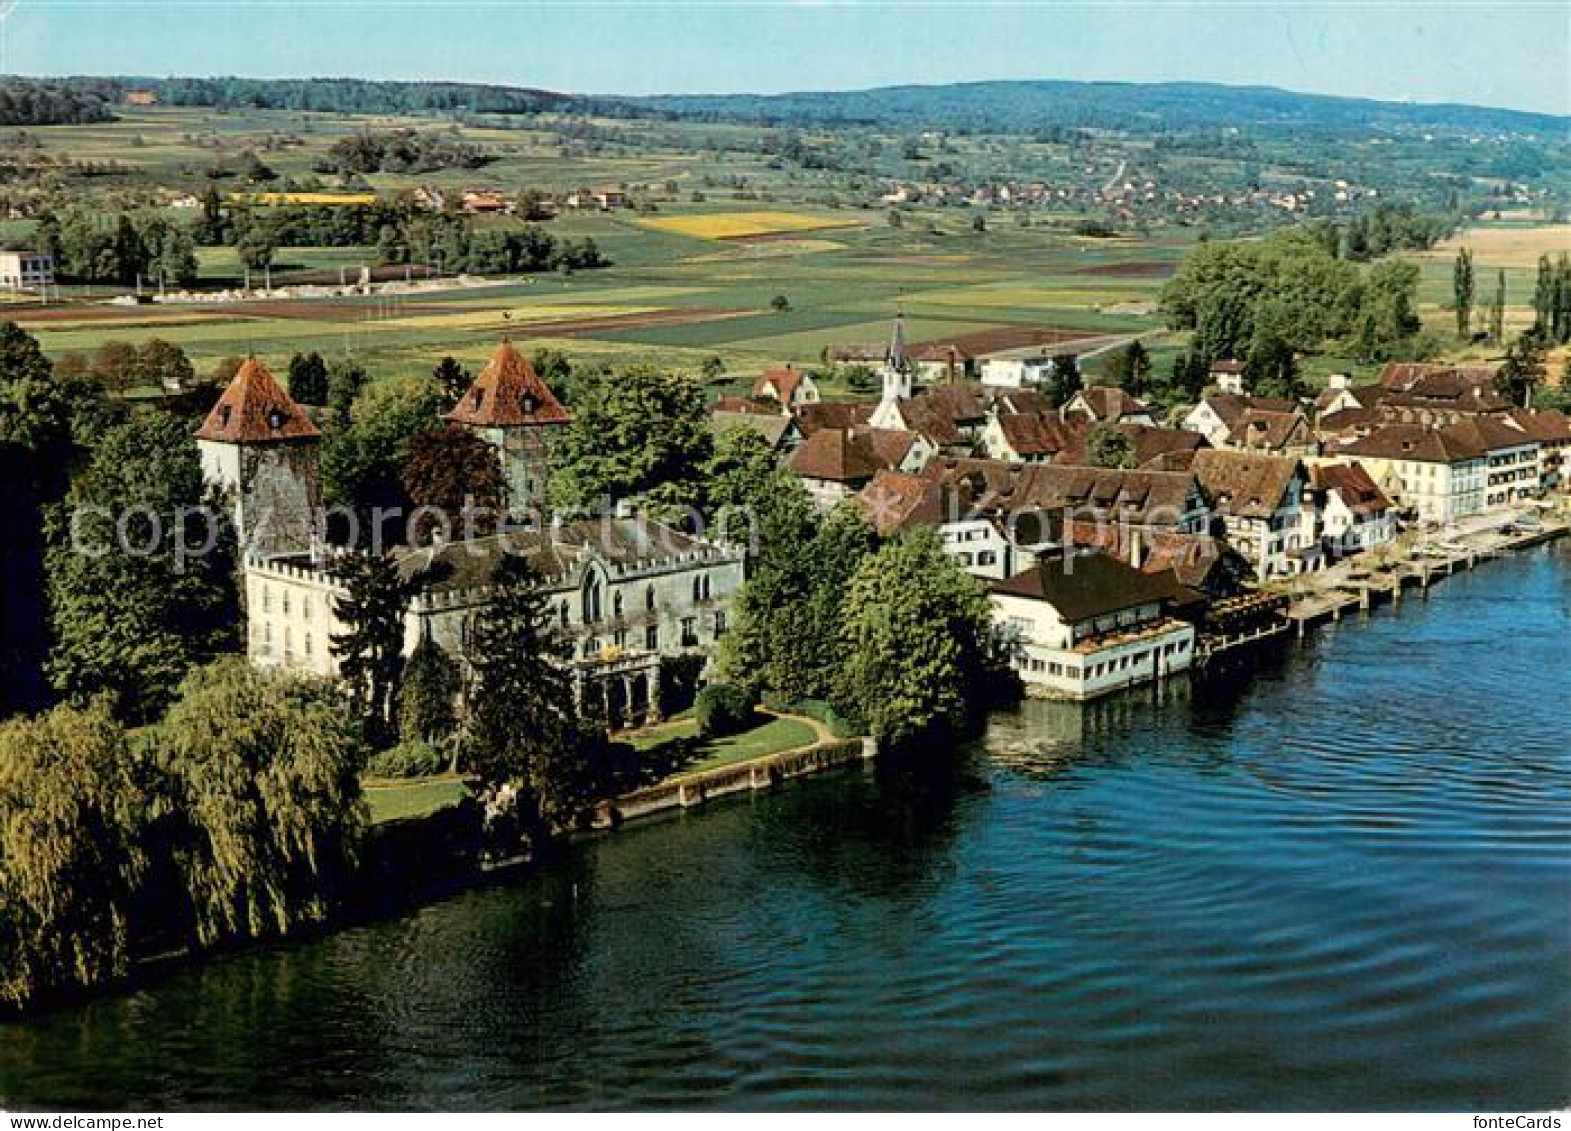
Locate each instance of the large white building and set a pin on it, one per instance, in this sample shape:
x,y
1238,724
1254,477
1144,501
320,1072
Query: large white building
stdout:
x,y
625,593
26,270
1088,625
1438,475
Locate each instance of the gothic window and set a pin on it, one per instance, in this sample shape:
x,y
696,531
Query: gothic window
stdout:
x,y
652,638
649,599
591,599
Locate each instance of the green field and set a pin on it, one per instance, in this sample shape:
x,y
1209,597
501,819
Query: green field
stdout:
x,y
674,296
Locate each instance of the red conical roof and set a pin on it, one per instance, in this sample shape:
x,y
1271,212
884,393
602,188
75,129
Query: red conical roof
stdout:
x,y
255,410
508,394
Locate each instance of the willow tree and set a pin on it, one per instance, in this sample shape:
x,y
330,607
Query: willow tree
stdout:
x,y
259,804
71,860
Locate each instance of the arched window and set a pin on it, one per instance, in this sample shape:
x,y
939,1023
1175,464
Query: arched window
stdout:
x,y
591,598
649,599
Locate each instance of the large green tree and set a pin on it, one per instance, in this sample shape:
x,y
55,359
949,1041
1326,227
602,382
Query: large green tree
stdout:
x,y
308,378
36,448
454,480
428,698
916,633
524,729
1462,291
364,456
140,569
370,650
638,432
785,636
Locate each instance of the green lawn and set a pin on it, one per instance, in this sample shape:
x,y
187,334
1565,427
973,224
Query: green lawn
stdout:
x,y
416,798
771,738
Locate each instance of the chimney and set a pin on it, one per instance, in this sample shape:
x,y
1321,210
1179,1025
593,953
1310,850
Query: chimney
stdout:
x,y
1137,555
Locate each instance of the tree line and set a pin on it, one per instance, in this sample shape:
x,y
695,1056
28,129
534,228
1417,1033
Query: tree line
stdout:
x,y
90,245
46,102
400,151
1266,301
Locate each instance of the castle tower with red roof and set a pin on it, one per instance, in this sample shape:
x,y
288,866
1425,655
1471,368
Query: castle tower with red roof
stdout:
x,y
260,449
511,407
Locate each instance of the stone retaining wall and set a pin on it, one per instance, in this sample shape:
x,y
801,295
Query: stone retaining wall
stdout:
x,y
688,790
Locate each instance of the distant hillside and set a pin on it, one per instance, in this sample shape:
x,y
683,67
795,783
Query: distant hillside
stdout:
x,y
1024,107
343,95
1028,107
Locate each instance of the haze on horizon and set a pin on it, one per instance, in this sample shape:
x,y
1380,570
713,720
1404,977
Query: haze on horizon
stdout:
x,y
1514,55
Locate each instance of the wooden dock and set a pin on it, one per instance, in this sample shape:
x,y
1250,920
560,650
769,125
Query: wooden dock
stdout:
x,y
1334,594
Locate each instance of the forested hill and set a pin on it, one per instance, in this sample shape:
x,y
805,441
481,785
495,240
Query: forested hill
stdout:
x,y
1034,106
26,101
1018,107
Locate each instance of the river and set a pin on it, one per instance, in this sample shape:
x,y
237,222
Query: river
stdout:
x,y
1345,883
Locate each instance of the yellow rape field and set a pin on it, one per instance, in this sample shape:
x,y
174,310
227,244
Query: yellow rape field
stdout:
x,y
739,225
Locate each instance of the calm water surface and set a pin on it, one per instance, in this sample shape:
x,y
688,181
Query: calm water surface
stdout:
x,y
1345,884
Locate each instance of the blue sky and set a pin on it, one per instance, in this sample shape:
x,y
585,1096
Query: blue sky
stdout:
x,y
1494,54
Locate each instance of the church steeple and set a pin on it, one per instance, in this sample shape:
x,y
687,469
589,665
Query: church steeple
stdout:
x,y
897,364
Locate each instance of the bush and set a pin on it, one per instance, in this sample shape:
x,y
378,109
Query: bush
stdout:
x,y
412,758
721,709
840,725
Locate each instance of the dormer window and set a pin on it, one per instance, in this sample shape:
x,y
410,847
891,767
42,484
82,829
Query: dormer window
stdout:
x,y
478,399
529,405
223,415
275,419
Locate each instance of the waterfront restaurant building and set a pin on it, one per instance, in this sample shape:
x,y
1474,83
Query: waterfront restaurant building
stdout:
x,y
1087,625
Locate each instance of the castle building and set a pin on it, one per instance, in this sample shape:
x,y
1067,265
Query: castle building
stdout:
x,y
510,407
260,449
625,594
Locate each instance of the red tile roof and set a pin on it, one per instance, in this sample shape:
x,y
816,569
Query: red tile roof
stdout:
x,y
1353,486
1244,484
254,409
508,394
1405,374
1415,443
780,384
837,455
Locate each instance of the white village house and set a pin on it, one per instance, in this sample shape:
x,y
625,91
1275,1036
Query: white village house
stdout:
x,y
1086,625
